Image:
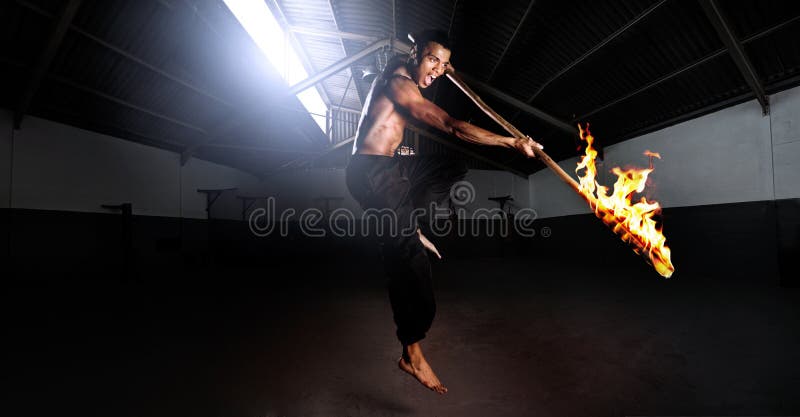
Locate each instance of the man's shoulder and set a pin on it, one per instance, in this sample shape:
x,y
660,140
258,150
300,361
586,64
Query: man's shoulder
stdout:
x,y
399,75
396,67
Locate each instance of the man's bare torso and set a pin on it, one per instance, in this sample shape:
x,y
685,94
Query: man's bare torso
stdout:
x,y
380,130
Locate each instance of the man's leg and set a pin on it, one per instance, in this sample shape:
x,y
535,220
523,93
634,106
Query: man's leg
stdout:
x,y
406,263
430,180
414,307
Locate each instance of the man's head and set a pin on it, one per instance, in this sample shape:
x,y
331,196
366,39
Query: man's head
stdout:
x,y
430,56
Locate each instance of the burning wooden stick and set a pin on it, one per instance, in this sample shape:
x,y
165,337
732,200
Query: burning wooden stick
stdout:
x,y
650,247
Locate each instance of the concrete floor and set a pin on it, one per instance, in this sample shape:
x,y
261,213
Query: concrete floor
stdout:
x,y
511,338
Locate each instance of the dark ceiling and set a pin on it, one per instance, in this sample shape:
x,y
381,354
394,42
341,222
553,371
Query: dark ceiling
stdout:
x,y
184,76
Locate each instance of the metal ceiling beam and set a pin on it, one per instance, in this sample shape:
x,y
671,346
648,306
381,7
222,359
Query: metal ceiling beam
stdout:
x,y
401,46
151,67
166,4
344,51
452,18
288,165
338,145
597,47
333,34
128,104
652,84
394,20
725,32
116,130
449,36
116,100
108,97
338,66
510,40
259,149
223,131
360,92
45,59
685,68
339,107
520,105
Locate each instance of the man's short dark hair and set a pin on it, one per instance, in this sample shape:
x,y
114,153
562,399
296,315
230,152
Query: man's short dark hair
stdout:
x,y
422,38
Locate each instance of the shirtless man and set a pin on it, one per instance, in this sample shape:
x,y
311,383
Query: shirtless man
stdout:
x,y
379,180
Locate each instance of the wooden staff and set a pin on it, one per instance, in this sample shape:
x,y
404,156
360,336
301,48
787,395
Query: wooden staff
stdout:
x,y
513,131
617,227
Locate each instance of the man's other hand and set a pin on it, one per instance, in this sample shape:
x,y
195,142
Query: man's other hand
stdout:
x,y
525,146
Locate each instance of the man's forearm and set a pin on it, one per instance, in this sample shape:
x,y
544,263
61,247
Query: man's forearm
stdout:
x,y
474,134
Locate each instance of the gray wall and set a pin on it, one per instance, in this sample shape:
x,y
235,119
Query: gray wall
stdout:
x,y
60,167
723,157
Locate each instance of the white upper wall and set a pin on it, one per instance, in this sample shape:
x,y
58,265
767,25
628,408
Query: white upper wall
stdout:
x,y
723,157
60,167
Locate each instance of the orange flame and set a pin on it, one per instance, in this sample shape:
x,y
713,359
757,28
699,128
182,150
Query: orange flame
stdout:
x,y
633,222
651,154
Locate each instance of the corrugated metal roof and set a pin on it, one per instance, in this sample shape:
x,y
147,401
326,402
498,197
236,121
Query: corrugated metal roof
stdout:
x,y
164,72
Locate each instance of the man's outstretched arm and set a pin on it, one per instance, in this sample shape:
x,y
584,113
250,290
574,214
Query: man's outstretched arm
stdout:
x,y
405,94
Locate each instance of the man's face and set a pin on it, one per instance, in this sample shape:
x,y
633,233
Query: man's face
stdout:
x,y
434,60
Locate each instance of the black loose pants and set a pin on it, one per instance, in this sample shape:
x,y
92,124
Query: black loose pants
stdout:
x,y
403,184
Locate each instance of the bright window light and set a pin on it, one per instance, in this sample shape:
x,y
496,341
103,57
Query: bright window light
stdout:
x,y
258,21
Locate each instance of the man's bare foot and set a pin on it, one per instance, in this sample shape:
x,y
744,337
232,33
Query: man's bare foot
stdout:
x,y
415,364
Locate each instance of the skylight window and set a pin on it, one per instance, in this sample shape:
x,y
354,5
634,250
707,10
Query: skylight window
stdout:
x,y
257,19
